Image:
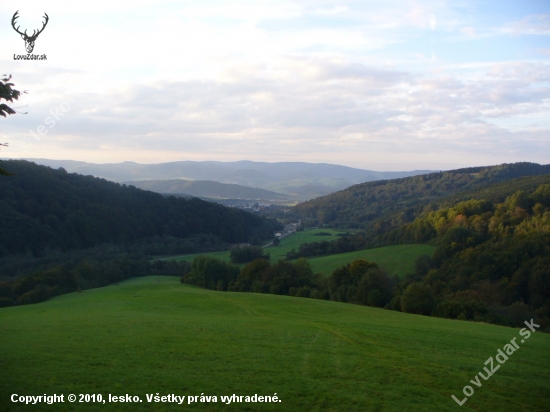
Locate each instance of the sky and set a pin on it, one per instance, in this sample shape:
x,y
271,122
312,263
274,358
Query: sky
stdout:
x,y
378,85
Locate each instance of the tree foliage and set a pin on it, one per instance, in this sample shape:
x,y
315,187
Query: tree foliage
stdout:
x,y
9,94
244,254
87,271
384,205
418,298
359,282
42,208
490,259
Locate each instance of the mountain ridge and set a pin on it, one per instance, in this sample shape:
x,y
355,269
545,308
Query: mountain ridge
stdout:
x,y
301,180
206,189
358,206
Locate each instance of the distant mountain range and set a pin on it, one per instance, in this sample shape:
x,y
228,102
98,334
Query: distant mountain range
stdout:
x,y
296,180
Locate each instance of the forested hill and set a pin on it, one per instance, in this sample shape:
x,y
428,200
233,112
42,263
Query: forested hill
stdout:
x,y
360,205
490,264
205,188
45,208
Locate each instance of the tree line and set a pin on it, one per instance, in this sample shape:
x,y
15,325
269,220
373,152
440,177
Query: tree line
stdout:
x,y
102,268
247,253
360,282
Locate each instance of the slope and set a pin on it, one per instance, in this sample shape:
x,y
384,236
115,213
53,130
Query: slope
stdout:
x,y
45,208
147,337
359,205
395,260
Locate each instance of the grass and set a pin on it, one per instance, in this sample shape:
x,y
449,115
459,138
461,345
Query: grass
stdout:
x,y
147,337
279,252
296,239
397,260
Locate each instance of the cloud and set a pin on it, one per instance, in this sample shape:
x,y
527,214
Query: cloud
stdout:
x,y
432,21
306,80
468,31
304,108
533,24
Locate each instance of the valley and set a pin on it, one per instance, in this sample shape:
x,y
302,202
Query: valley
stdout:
x,y
378,297
295,206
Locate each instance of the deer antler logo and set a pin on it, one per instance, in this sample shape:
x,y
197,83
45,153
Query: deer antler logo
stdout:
x,y
29,40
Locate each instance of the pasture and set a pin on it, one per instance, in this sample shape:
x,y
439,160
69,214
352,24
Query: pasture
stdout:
x,y
396,260
147,337
292,241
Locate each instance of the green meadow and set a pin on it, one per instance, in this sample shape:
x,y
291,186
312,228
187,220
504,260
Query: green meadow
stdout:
x,y
145,336
292,241
397,260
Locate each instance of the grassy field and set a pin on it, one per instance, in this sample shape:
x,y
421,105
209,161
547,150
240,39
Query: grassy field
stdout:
x,y
294,241
397,260
147,337
279,252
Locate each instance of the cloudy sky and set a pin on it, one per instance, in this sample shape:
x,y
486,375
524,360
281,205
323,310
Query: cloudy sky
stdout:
x,y
380,85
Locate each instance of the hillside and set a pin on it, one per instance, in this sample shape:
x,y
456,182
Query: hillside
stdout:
x,y
395,260
206,188
144,337
299,180
404,198
491,259
42,208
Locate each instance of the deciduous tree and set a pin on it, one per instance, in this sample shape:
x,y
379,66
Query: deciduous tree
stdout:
x,y
9,94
